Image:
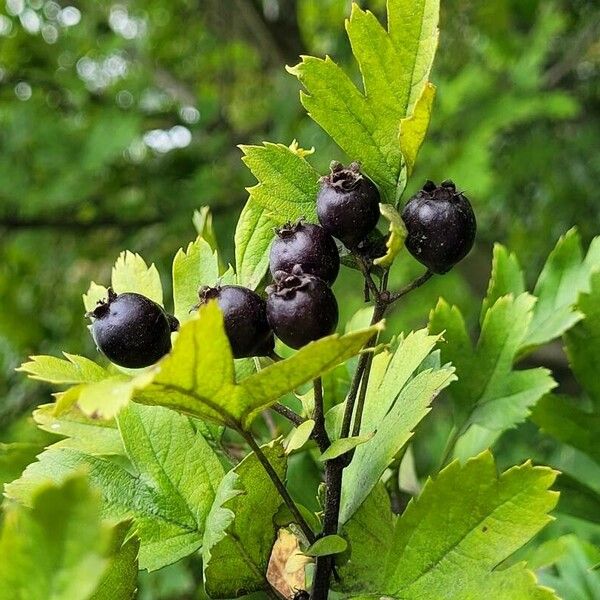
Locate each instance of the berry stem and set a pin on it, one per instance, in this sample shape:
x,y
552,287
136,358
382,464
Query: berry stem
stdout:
x,y
285,495
410,287
364,269
288,413
320,433
362,396
380,308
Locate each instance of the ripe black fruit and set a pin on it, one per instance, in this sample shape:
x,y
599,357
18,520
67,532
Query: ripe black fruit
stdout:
x,y
300,308
245,319
348,204
441,226
131,330
307,245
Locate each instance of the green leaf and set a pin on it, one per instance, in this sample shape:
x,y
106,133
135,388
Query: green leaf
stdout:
x,y
506,278
300,435
565,274
397,235
395,66
167,486
93,436
97,393
489,393
287,184
561,418
311,361
240,530
343,445
193,267
120,579
57,549
253,238
198,378
203,222
131,274
397,399
453,536
94,294
583,342
325,546
76,369
413,129
370,533
104,399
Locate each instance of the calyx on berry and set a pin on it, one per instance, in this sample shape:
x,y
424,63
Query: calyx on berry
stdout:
x,y
307,245
131,330
441,226
245,319
301,308
348,204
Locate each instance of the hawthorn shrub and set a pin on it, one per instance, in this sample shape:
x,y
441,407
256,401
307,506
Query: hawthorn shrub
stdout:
x,y
210,449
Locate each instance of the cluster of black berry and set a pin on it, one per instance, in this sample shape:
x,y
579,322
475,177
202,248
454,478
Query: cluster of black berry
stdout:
x,y
133,331
305,261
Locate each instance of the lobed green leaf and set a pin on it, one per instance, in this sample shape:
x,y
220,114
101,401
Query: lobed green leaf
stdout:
x,y
166,485
287,184
395,66
76,369
193,267
454,552
397,399
490,395
565,275
132,274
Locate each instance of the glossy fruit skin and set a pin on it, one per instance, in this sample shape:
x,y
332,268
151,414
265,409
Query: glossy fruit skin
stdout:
x,y
131,330
301,308
245,319
348,204
441,226
307,245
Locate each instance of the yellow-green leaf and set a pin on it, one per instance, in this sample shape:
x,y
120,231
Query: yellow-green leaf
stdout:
x,y
397,235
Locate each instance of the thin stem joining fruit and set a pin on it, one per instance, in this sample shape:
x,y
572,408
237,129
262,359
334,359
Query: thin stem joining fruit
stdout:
x,y
411,286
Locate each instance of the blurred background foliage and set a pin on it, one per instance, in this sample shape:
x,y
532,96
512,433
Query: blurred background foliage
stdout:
x,y
118,119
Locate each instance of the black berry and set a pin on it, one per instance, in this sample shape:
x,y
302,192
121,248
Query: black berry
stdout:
x,y
245,319
348,204
131,330
307,245
301,308
441,226
301,595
